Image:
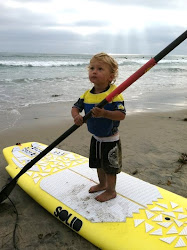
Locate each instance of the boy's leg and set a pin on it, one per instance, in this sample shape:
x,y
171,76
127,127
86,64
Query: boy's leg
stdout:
x,y
102,182
110,192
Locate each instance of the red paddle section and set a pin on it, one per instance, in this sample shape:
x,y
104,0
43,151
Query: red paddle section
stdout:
x,y
131,79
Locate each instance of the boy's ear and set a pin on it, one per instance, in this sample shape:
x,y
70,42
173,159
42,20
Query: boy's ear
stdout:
x,y
111,78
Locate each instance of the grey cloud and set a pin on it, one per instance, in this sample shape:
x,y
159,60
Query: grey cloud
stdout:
x,y
21,18
151,42
160,4
154,40
92,23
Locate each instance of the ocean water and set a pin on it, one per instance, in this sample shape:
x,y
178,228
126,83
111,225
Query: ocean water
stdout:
x,y
27,79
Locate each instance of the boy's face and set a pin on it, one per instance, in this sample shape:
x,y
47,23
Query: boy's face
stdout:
x,y
99,73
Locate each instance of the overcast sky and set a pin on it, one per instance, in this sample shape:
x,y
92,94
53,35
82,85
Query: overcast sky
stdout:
x,y
91,26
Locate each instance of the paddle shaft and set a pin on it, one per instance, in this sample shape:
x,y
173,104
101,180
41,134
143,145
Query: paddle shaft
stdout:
x,y
8,188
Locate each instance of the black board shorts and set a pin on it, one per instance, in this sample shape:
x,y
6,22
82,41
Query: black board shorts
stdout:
x,y
106,155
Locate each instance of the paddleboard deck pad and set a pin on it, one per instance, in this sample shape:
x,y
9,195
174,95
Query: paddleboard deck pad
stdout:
x,y
142,216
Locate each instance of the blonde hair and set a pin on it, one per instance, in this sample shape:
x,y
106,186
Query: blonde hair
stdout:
x,y
103,57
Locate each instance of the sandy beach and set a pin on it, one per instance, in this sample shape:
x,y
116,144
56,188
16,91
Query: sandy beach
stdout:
x,y
152,144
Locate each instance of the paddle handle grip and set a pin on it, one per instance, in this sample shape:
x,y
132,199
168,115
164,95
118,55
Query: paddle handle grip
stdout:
x,y
131,79
146,67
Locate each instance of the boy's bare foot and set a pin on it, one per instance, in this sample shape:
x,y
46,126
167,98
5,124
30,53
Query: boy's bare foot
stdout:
x,y
106,196
97,188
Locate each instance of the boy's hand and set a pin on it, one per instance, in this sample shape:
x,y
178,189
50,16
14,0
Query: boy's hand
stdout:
x,y
97,112
78,120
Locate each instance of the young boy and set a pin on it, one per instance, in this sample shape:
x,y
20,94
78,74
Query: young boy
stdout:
x,y
105,146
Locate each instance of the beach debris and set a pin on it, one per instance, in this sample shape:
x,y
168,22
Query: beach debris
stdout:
x,y
56,95
168,182
185,119
40,236
135,172
183,160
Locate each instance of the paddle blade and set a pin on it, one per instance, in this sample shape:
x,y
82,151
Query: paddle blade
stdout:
x,y
7,190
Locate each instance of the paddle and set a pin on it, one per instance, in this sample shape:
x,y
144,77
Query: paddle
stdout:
x,y
9,187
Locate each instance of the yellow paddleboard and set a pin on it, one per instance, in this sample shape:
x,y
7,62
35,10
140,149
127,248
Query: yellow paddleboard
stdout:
x,y
142,216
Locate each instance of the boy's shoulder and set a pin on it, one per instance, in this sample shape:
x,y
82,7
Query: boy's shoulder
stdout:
x,y
118,98
85,93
